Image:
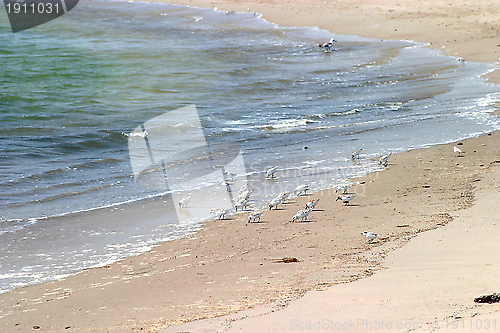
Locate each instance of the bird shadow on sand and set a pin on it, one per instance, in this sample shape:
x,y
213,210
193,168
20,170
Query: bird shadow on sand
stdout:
x,y
305,221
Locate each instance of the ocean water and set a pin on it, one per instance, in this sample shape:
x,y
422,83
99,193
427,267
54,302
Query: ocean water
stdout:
x,y
75,91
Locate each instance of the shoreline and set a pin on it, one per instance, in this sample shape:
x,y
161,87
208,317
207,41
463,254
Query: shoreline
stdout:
x,y
230,265
115,297
464,29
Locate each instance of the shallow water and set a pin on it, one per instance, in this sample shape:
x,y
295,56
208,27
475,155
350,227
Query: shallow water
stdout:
x,y
74,90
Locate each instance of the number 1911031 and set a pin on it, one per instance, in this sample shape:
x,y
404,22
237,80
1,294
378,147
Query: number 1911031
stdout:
x,y
40,8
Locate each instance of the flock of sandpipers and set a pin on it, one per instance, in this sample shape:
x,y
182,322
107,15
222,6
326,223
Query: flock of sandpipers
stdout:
x,y
243,199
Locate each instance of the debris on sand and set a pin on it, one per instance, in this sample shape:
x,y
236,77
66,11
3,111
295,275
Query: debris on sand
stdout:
x,y
493,298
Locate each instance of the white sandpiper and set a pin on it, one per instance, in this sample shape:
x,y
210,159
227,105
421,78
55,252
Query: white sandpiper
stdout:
x,y
311,204
275,203
245,195
457,151
344,188
270,172
241,204
370,235
384,159
219,213
228,178
283,196
301,214
302,189
346,198
244,188
254,216
183,203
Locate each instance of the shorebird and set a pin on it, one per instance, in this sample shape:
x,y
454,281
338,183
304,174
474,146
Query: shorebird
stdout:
x,y
228,177
241,204
457,151
183,203
346,198
270,172
254,216
283,196
311,204
344,188
328,46
302,189
219,213
302,214
371,236
245,195
244,188
275,203
355,154
384,159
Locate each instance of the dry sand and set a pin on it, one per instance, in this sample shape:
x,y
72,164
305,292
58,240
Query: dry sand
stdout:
x,y
430,283
229,265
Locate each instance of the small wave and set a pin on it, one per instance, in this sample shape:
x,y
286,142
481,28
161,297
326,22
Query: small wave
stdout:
x,y
13,225
342,113
333,114
288,124
136,134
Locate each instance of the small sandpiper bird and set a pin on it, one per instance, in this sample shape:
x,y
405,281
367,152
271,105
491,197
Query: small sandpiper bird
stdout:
x,y
302,189
183,203
355,154
245,195
270,172
244,188
311,204
371,236
344,188
228,178
254,216
241,204
275,203
384,159
219,213
346,198
457,151
302,214
328,46
283,196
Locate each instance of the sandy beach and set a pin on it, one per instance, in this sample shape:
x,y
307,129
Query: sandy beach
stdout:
x,y
232,265
435,212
